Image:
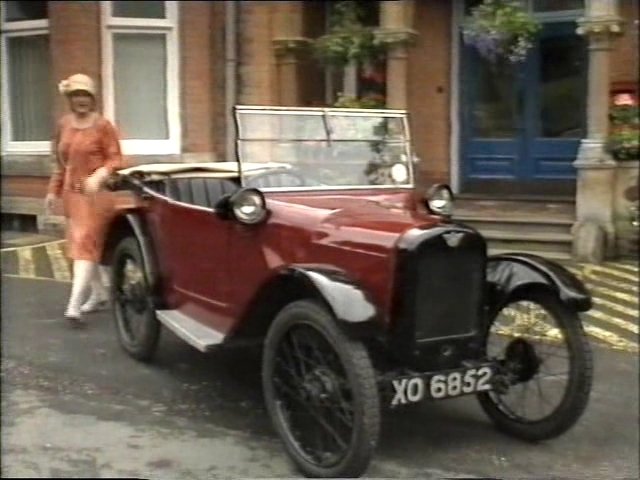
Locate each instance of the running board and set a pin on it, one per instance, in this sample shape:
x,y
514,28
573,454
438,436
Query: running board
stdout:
x,y
192,332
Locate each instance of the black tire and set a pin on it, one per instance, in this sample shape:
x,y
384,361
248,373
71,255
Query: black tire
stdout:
x,y
331,389
137,327
574,396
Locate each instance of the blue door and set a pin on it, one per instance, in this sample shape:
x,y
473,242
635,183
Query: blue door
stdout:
x,y
521,124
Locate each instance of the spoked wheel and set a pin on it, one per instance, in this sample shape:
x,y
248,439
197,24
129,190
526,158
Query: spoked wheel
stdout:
x,y
320,391
136,324
547,367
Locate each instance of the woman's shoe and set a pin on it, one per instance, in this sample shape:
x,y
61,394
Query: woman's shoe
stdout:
x,y
94,305
75,321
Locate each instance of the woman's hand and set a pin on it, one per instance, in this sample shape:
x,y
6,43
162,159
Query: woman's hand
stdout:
x,y
49,202
94,182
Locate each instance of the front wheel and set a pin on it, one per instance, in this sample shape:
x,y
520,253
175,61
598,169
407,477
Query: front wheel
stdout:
x,y
320,391
137,327
547,367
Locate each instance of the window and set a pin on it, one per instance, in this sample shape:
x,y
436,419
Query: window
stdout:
x,y
26,78
141,74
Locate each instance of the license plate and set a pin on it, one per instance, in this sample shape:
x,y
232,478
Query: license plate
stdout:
x,y
452,383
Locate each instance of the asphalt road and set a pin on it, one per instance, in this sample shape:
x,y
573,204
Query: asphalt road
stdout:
x,y
75,405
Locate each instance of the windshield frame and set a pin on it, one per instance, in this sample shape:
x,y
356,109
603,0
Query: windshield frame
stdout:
x,y
326,113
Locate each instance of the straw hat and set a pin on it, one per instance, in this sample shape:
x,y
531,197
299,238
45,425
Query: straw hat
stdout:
x,y
79,81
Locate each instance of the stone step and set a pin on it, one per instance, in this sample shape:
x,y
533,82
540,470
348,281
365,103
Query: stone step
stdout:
x,y
546,245
515,208
518,224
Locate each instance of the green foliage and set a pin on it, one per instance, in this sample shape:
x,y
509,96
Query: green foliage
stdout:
x,y
348,39
624,139
624,144
372,101
624,115
500,29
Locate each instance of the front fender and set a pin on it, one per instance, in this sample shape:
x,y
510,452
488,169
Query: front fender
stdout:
x,y
507,273
347,300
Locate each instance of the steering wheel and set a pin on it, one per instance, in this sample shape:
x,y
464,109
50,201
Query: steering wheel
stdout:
x,y
276,178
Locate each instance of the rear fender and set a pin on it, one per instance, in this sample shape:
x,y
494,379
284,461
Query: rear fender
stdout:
x,y
149,257
508,274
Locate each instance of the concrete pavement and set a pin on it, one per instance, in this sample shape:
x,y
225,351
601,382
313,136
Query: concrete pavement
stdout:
x,y
613,321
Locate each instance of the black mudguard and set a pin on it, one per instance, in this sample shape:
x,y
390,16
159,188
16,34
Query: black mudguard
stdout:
x,y
348,302
148,254
508,273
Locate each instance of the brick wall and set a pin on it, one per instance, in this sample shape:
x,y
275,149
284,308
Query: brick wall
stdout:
x,y
197,67
257,85
75,45
429,90
624,58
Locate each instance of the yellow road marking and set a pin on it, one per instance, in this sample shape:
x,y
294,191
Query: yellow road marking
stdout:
x,y
13,275
11,249
632,312
615,283
611,338
59,263
626,266
620,285
598,315
26,268
590,271
625,297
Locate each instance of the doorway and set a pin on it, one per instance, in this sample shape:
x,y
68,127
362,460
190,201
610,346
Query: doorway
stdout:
x,y
521,124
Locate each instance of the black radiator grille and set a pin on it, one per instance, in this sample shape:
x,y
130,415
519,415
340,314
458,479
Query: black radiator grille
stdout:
x,y
449,285
441,279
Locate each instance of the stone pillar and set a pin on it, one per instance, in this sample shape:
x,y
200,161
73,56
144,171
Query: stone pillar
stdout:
x,y
594,231
396,20
288,43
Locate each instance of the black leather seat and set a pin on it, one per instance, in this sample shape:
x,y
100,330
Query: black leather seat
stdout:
x,y
201,191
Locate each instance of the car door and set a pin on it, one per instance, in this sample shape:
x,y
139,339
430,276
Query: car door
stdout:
x,y
193,245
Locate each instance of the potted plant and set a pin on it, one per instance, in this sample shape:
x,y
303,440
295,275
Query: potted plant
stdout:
x,y
349,45
500,30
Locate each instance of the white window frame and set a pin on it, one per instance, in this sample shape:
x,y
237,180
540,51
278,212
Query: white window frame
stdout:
x,y
169,27
22,28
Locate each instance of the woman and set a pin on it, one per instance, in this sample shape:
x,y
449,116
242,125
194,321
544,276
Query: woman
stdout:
x,y
87,151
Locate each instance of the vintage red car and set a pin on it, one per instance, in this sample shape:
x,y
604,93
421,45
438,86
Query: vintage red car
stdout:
x,y
362,293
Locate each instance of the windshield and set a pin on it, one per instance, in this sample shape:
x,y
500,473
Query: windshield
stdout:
x,y
325,148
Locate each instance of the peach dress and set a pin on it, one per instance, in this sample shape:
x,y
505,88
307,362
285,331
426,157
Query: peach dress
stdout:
x,y
80,152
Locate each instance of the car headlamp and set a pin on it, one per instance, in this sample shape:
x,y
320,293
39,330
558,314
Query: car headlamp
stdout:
x,y
248,206
439,200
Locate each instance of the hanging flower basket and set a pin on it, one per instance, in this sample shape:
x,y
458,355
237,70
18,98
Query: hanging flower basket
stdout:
x,y
500,30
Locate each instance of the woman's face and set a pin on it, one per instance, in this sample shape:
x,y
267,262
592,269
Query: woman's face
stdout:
x,y
81,102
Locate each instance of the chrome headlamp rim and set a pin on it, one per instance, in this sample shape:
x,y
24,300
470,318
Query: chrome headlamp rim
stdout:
x,y
248,206
440,199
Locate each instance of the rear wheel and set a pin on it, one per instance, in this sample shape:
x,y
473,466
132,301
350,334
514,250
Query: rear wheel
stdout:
x,y
137,328
320,391
548,368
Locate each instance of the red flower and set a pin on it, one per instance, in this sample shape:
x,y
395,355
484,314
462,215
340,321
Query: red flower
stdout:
x,y
621,99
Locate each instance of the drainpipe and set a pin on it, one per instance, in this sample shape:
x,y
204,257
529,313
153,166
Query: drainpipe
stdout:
x,y
231,75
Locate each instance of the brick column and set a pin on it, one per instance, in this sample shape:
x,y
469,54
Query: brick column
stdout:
x,y
594,231
288,43
396,19
199,93
74,36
